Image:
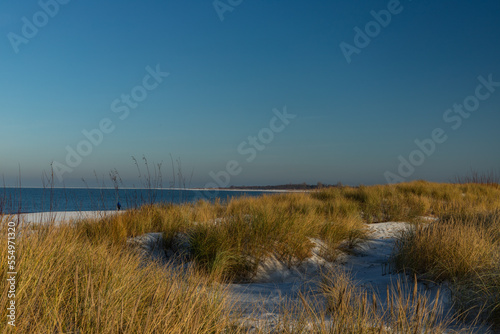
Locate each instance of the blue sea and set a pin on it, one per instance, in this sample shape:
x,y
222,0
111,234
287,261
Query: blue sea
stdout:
x,y
27,200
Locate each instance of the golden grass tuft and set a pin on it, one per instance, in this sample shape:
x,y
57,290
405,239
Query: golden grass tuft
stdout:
x,y
463,249
69,285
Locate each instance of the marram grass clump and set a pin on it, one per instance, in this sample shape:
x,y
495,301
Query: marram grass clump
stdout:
x,y
463,249
67,284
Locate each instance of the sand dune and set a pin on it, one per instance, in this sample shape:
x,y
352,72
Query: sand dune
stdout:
x,y
275,284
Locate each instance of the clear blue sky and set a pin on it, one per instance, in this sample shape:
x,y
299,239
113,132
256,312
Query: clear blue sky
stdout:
x,y
354,120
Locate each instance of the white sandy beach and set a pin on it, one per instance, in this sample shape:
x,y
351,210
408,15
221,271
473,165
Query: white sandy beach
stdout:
x,y
58,217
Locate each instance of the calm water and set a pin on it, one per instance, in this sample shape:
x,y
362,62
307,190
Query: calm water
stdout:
x,y
14,200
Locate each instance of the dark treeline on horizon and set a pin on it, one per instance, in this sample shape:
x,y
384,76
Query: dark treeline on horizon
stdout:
x,y
290,186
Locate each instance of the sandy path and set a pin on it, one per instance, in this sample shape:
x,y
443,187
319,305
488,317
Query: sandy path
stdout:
x,y
370,264
369,267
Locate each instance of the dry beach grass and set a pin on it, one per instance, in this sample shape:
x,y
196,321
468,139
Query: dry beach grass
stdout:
x,y
84,278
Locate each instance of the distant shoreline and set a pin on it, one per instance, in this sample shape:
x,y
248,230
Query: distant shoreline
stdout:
x,y
29,200
256,189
